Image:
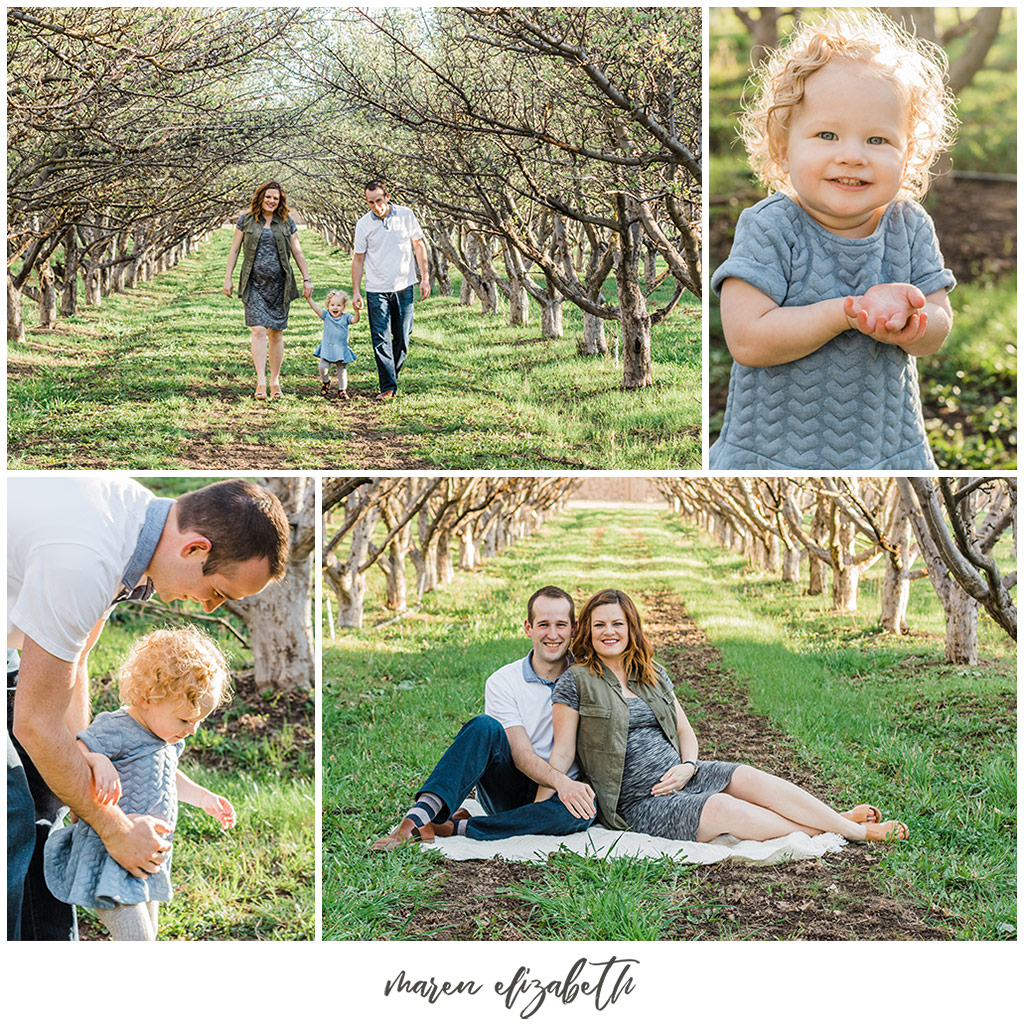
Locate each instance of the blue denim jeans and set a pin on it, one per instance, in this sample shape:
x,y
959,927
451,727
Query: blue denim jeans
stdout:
x,y
480,756
33,914
390,316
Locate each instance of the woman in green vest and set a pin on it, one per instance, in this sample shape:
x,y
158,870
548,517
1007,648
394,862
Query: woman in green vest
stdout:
x,y
618,712
266,235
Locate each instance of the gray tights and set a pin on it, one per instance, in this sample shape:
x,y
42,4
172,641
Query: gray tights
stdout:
x,y
136,923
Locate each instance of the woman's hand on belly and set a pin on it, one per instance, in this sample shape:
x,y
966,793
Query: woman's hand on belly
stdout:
x,y
675,779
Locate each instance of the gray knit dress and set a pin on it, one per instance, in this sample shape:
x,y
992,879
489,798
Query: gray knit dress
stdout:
x,y
649,755
854,403
75,861
265,306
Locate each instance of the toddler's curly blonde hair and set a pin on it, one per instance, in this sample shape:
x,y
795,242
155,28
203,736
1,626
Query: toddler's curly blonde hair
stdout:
x,y
916,67
174,663
341,294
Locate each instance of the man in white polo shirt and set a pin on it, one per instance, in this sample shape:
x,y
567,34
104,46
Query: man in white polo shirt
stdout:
x,y
504,752
386,240
75,547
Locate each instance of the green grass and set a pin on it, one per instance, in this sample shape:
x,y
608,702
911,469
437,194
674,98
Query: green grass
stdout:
x,y
879,716
931,743
161,378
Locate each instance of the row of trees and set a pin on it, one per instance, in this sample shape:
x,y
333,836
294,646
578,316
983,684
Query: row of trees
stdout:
x,y
389,522
132,133
846,525
549,147
542,148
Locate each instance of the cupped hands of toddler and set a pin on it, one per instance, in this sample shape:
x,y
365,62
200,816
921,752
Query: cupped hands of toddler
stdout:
x,y
890,313
220,808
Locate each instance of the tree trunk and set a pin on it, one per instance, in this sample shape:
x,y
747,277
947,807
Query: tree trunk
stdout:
x,y
816,566
518,303
637,371
92,286
896,581
280,618
551,318
47,297
961,627
594,341
791,564
15,323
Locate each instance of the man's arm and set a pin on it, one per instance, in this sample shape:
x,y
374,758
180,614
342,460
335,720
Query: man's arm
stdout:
x,y
420,251
47,703
577,797
357,278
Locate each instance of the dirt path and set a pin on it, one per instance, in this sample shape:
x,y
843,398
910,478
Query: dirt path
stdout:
x,y
832,898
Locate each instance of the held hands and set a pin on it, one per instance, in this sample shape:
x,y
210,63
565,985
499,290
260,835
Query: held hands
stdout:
x,y
106,784
220,808
578,798
890,313
357,299
675,779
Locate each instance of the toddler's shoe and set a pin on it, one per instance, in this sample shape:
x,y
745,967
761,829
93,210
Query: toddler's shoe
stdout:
x,y
325,389
342,394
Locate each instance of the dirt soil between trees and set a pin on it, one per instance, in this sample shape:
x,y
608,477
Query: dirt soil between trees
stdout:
x,y
829,899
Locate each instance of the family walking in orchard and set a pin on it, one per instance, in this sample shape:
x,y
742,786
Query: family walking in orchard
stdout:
x,y
388,246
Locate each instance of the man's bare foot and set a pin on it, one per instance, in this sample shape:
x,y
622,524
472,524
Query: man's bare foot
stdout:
x,y
447,828
890,830
863,814
405,831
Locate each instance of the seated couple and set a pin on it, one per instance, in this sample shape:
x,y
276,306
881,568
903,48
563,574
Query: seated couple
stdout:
x,y
587,726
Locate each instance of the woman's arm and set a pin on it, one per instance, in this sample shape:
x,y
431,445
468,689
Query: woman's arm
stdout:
x,y
565,721
680,775
307,283
214,805
236,244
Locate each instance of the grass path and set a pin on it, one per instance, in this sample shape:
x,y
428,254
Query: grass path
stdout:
x,y
161,378
395,697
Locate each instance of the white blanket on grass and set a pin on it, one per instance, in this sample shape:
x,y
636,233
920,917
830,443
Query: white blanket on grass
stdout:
x,y
600,841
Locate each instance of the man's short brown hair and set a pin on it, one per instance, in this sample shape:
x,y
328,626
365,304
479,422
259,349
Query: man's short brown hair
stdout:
x,y
241,519
556,594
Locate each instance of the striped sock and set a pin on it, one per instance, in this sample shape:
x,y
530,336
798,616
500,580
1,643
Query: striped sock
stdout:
x,y
426,808
460,827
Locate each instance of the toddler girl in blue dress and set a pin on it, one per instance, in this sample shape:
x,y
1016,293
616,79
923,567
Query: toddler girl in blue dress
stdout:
x,y
334,347
170,683
835,284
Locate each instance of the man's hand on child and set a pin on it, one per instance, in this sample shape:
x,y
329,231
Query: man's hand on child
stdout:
x,y
221,809
890,313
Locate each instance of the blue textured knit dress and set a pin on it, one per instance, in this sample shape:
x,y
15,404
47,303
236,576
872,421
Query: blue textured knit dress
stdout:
x,y
76,864
854,403
335,348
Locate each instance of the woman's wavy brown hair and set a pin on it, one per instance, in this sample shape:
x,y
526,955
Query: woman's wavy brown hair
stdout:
x,y
256,208
639,653
914,66
174,663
